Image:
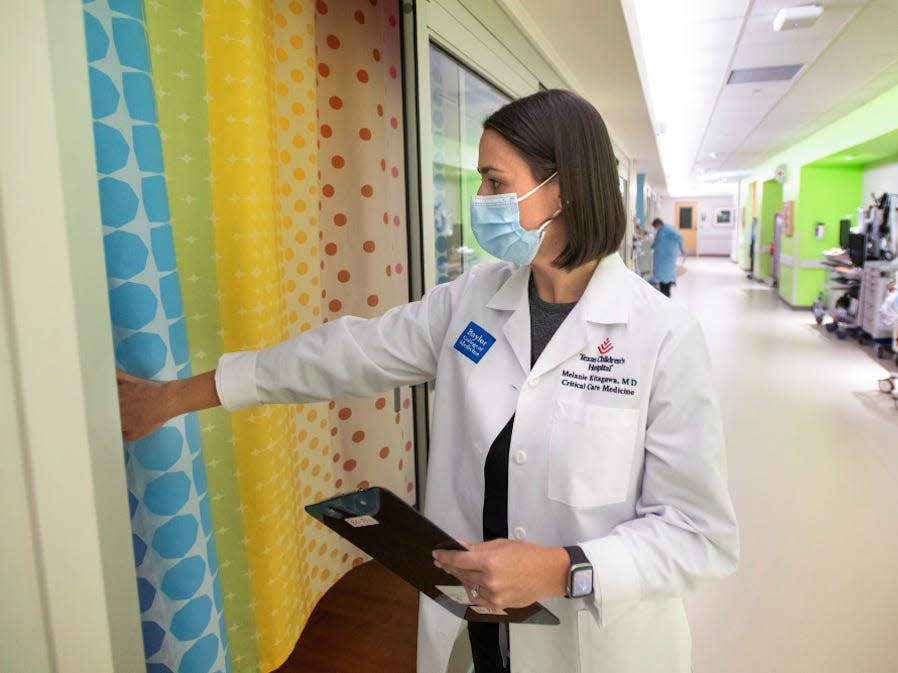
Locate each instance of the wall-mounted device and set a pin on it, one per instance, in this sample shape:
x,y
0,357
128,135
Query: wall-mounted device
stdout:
x,y
791,18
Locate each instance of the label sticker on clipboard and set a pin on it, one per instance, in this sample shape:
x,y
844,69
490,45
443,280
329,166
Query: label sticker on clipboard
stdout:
x,y
479,609
361,521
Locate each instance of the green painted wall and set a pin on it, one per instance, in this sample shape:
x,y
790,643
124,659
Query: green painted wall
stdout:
x,y
744,251
825,195
771,202
874,119
786,281
788,269
833,192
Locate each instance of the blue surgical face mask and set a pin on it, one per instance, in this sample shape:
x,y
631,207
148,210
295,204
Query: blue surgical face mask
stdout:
x,y
496,222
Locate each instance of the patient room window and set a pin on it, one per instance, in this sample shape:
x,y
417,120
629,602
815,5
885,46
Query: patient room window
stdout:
x,y
460,102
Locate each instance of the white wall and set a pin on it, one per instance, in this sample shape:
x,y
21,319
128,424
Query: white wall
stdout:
x,y
70,589
711,239
878,180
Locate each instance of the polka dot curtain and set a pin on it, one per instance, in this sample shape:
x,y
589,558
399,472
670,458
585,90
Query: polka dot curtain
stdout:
x,y
363,202
178,583
178,54
279,125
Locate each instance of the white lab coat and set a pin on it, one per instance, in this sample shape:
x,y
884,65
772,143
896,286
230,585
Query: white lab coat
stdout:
x,y
631,467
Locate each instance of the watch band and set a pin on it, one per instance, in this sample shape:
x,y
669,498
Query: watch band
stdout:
x,y
579,563
576,555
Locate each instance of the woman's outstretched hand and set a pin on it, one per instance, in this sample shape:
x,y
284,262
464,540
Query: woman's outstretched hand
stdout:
x,y
146,405
141,406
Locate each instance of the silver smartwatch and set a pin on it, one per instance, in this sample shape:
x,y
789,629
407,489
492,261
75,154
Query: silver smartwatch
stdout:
x,y
579,574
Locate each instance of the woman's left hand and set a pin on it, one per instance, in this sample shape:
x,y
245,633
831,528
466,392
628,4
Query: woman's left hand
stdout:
x,y
507,573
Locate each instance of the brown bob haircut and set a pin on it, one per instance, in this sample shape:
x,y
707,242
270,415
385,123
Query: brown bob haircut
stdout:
x,y
557,130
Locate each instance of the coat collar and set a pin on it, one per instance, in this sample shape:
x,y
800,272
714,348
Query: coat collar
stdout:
x,y
603,302
605,299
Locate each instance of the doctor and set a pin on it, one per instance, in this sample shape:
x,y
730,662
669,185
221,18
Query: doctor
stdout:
x,y
576,442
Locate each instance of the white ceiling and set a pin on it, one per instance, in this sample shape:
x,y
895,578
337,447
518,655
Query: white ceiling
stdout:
x,y
849,56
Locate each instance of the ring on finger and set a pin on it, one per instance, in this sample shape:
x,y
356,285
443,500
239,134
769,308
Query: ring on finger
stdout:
x,y
475,591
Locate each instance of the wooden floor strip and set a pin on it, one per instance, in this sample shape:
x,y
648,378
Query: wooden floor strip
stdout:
x,y
367,622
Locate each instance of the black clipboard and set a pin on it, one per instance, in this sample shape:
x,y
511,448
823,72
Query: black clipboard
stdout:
x,y
385,527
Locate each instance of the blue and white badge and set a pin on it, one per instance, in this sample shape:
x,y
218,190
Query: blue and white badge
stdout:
x,y
474,342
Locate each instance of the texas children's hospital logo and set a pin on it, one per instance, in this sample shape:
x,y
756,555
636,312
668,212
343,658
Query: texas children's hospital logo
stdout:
x,y
599,373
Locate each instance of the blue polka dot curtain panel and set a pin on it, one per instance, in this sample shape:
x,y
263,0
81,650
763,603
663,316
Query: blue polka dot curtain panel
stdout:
x,y
249,157
178,583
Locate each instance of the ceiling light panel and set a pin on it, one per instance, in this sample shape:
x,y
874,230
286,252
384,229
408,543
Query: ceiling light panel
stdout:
x,y
714,34
702,10
706,34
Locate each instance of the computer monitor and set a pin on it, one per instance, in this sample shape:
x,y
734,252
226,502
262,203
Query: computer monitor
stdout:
x,y
857,248
844,230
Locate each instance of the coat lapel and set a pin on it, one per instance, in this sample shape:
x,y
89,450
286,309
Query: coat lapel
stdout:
x,y
512,296
602,303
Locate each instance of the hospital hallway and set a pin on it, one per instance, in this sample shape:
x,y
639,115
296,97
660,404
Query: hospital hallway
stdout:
x,y
812,448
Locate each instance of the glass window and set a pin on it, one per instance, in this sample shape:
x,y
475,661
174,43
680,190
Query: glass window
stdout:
x,y
460,102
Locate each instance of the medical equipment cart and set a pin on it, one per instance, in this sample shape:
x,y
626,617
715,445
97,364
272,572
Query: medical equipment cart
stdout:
x,y
642,255
889,311
840,296
877,279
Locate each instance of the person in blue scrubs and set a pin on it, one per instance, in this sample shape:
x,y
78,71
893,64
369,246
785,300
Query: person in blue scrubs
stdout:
x,y
667,242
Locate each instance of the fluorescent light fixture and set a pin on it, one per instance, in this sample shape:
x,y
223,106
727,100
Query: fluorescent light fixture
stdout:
x,y
790,18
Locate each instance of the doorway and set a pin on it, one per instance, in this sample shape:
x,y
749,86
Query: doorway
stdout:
x,y
684,221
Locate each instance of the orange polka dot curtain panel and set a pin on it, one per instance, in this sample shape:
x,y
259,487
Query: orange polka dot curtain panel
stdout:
x,y
281,134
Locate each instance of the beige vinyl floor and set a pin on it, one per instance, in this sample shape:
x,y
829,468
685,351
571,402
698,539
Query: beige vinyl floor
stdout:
x,y
813,467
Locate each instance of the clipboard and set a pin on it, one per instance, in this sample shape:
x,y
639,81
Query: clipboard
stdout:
x,y
385,527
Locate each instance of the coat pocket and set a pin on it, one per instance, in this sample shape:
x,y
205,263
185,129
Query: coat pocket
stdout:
x,y
591,454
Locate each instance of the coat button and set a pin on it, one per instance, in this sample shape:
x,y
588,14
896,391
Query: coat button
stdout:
x,y
534,382
520,457
519,533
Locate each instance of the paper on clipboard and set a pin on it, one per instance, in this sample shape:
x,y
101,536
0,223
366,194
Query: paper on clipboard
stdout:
x,y
382,525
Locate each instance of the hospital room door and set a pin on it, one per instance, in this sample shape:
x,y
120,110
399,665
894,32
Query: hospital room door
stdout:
x,y
684,221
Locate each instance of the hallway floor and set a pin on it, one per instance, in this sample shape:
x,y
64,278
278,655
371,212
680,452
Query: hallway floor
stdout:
x,y
813,465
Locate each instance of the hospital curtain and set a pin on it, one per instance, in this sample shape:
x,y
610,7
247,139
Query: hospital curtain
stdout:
x,y
178,583
281,173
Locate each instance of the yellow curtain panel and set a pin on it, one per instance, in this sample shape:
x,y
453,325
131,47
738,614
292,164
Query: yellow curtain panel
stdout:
x,y
281,127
